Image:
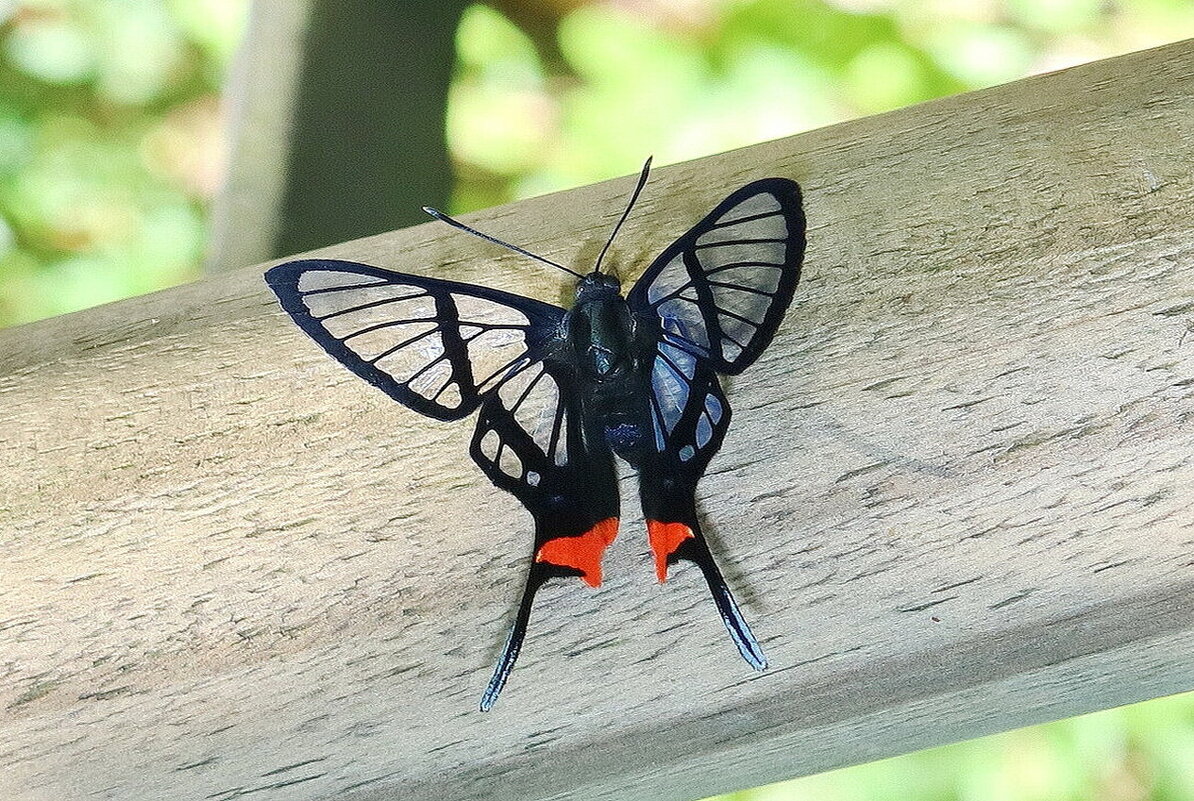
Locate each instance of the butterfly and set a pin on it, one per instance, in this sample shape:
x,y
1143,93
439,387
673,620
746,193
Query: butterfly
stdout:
x,y
561,392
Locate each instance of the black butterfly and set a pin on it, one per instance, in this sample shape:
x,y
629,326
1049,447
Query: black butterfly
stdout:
x,y
561,391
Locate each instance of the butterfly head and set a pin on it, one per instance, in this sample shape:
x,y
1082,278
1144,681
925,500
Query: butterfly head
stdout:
x,y
597,285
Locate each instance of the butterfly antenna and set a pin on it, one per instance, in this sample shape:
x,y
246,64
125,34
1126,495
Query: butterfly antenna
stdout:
x,y
439,215
642,181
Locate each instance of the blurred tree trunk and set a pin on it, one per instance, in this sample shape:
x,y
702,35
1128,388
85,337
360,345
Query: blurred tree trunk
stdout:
x,y
337,132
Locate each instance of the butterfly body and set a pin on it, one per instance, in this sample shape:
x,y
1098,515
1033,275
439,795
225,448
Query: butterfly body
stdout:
x,y
609,361
558,393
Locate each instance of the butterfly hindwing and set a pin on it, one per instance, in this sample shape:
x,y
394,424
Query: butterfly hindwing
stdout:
x,y
689,413
689,426
529,442
436,346
725,285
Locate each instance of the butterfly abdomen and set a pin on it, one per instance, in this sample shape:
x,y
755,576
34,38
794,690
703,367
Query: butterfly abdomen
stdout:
x,y
626,438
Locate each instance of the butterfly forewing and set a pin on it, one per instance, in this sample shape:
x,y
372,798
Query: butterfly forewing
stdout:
x,y
436,346
724,286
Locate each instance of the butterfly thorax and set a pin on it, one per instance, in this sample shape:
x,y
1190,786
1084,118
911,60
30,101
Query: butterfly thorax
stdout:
x,y
600,329
601,335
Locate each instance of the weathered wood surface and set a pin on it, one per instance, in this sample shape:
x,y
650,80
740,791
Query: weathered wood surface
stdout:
x,y
956,497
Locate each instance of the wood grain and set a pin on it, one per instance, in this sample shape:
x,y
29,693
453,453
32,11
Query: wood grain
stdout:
x,y
956,497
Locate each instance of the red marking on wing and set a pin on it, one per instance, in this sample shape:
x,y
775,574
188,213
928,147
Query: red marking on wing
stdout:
x,y
582,553
665,539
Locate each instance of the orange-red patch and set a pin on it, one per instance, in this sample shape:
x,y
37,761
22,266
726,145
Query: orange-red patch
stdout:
x,y
582,553
665,539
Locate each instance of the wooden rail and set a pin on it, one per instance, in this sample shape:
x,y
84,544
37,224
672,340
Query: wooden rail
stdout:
x,y
957,496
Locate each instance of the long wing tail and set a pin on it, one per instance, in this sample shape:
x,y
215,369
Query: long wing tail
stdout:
x,y
695,549
675,534
528,442
557,554
513,646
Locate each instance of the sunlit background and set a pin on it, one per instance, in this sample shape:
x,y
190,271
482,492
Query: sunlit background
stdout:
x,y
111,152
111,145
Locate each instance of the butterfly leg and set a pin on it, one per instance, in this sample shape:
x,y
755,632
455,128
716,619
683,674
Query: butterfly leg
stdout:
x,y
669,506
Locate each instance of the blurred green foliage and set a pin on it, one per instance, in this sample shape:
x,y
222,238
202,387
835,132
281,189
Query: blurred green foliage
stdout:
x,y
110,152
109,146
110,124
532,112
1143,752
